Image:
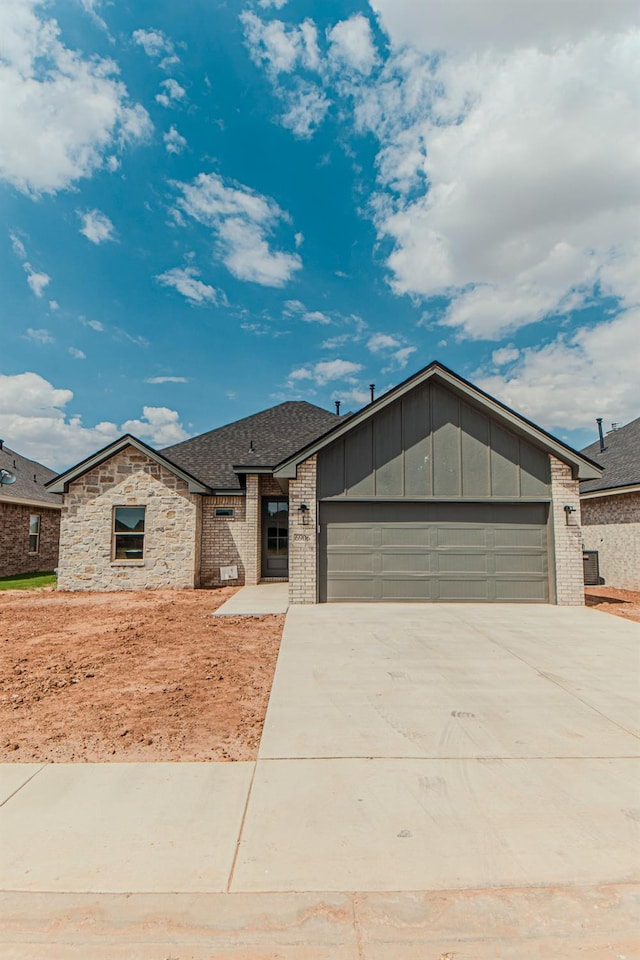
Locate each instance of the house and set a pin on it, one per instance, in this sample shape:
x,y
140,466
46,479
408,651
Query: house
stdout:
x,y
434,491
611,506
29,515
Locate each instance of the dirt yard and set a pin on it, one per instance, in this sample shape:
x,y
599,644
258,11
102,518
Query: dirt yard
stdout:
x,y
132,676
624,603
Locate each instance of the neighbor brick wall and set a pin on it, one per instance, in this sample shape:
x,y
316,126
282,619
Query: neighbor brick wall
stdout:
x,y
14,539
303,562
567,536
172,524
611,525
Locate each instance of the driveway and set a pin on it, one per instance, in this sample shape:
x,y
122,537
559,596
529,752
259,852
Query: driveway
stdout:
x,y
433,747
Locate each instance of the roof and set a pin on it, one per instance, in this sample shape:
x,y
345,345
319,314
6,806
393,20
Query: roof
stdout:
x,y
582,466
60,483
620,459
31,477
258,442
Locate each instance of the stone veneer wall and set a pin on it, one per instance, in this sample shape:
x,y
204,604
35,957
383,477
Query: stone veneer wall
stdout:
x,y
611,525
172,527
303,538
14,539
567,536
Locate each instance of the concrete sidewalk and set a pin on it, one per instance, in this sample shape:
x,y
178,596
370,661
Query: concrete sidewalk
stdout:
x,y
256,601
431,781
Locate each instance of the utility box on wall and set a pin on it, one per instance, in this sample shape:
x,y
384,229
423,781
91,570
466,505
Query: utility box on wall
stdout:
x,y
591,568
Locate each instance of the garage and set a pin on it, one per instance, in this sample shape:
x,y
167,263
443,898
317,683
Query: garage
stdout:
x,y
424,552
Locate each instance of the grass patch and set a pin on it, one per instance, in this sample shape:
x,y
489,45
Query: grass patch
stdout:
x,y
28,581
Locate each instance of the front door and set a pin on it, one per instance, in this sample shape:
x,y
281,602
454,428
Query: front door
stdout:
x,y
275,537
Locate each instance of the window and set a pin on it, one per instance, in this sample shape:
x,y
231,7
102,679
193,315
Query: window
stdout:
x,y
224,511
128,533
34,533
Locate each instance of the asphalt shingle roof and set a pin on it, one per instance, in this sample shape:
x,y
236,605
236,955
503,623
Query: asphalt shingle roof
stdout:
x,y
620,458
25,487
261,440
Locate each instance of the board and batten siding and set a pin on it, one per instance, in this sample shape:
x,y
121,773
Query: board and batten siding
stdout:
x,y
433,444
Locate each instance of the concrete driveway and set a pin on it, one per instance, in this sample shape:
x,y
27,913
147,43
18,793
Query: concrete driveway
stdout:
x,y
422,748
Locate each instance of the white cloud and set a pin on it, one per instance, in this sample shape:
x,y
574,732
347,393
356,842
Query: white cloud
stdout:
x,y
298,240
94,324
39,336
466,25
400,359
32,414
96,226
155,43
278,47
565,384
382,341
61,113
316,316
174,141
173,92
276,4
185,281
505,355
306,108
351,45
77,354
37,281
91,7
167,380
242,221
54,305
160,424
324,371
358,395
497,192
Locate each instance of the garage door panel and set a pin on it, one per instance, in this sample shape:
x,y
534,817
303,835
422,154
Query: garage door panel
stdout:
x,y
407,563
461,536
419,552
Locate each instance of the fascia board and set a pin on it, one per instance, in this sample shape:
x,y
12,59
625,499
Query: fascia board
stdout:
x,y
610,492
25,502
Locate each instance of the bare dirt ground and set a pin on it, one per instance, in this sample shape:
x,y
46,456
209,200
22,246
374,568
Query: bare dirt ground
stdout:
x,y
132,676
624,603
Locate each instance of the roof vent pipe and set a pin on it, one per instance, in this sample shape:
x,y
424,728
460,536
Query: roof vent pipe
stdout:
x,y
600,433
1,444
372,387
337,403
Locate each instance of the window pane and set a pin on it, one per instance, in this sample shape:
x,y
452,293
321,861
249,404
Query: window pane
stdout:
x,y
33,543
129,547
129,519
34,525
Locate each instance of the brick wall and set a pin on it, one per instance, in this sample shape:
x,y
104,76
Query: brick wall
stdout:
x,y
567,536
225,540
303,564
611,525
14,539
172,523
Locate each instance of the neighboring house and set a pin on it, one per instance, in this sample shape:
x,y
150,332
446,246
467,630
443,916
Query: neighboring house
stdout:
x,y
29,516
611,507
435,491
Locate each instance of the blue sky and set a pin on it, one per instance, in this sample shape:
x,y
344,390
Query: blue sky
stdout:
x,y
211,207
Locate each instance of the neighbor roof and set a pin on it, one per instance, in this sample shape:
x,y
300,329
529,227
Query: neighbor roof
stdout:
x,y
258,442
581,465
31,477
620,459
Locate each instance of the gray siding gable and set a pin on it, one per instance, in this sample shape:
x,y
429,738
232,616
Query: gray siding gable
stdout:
x,y
433,443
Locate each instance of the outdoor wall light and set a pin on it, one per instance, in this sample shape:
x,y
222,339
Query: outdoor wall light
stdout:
x,y
568,510
303,510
